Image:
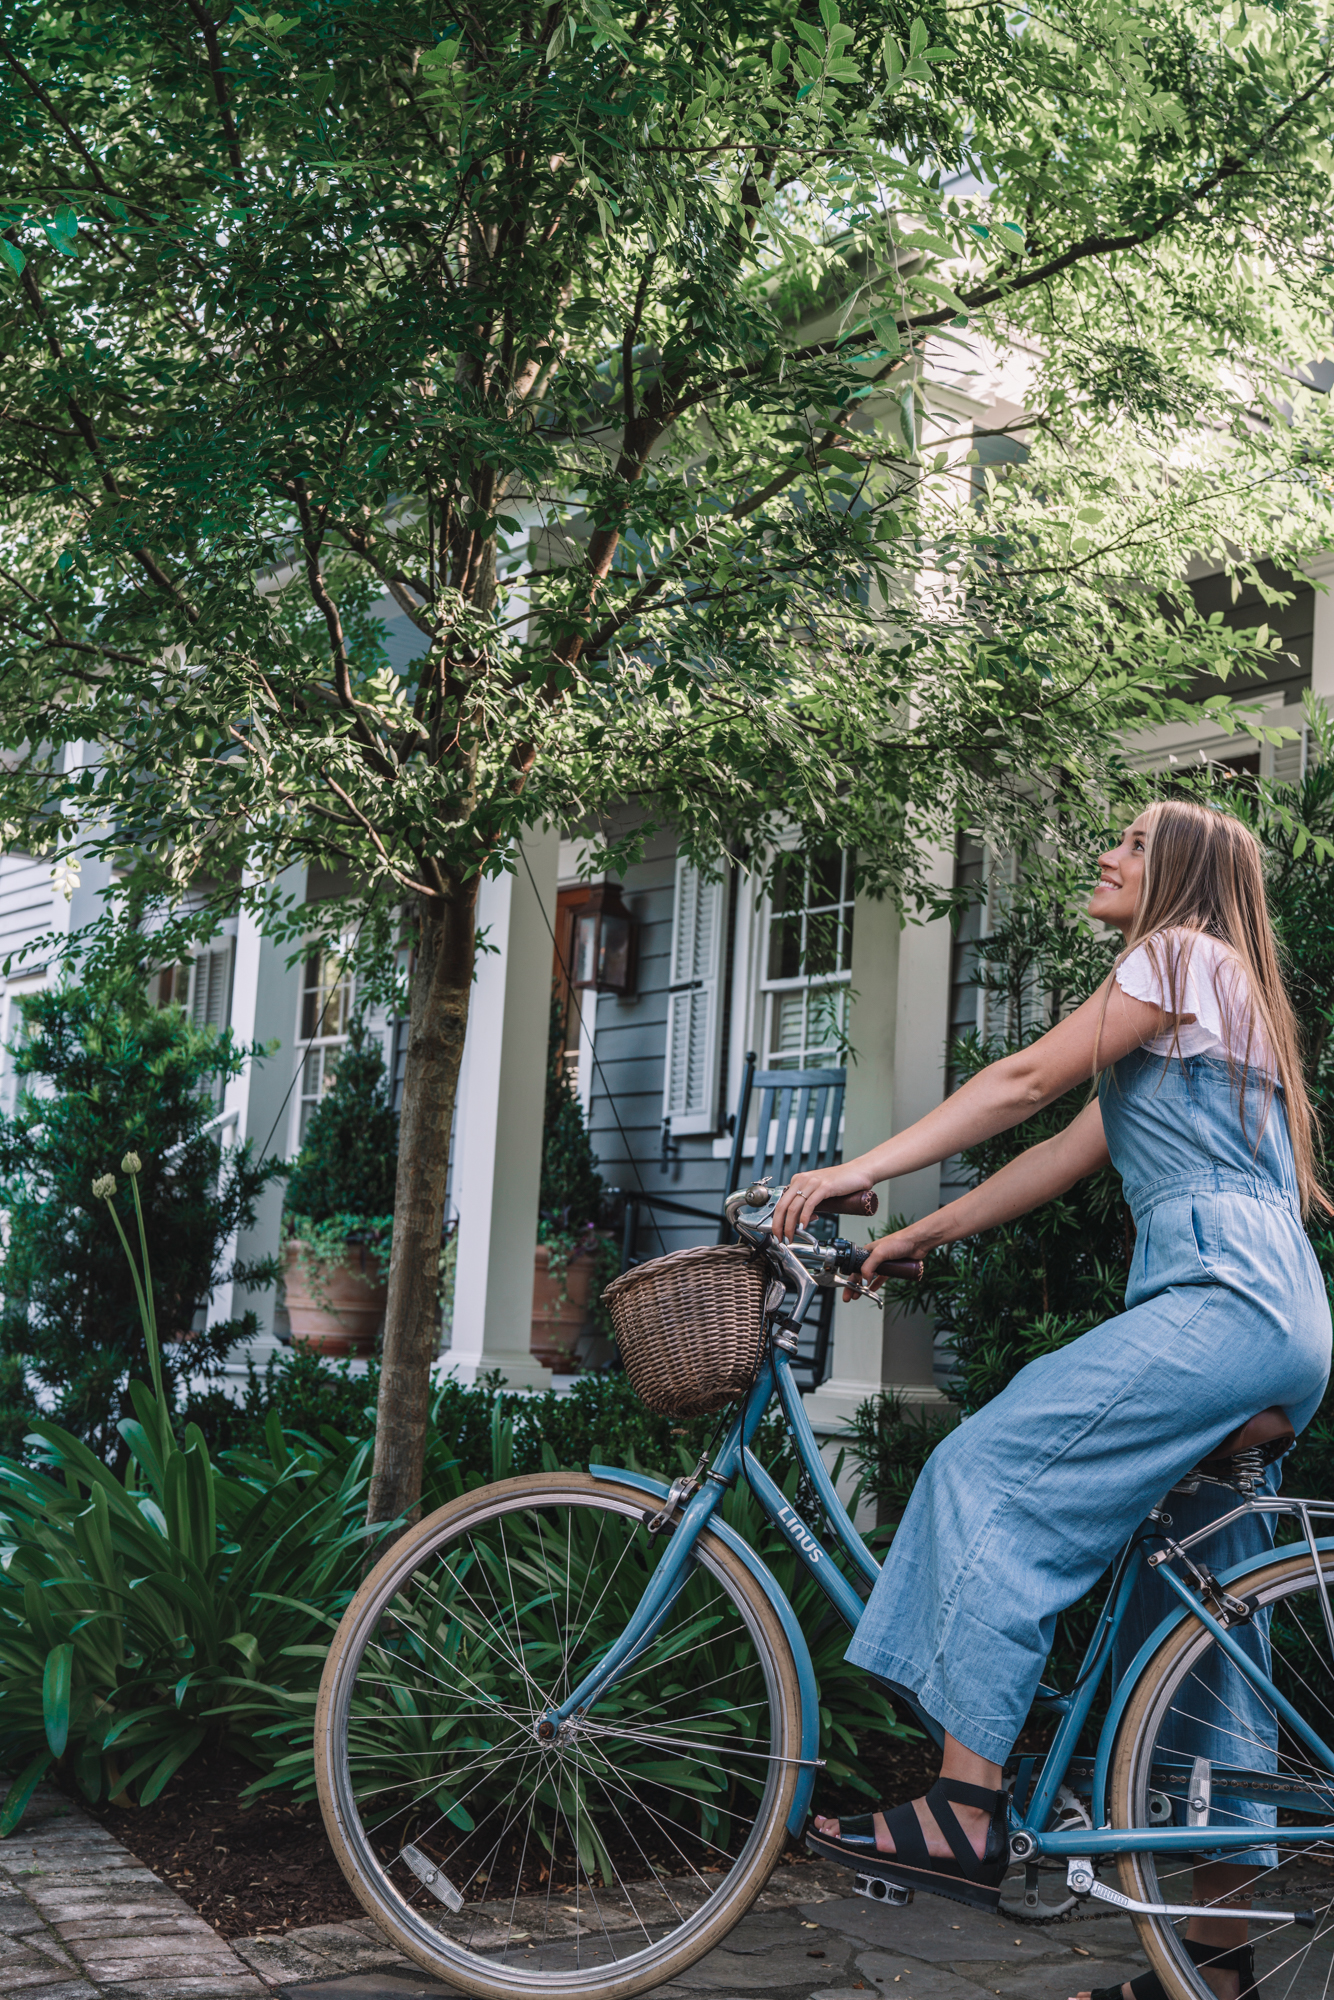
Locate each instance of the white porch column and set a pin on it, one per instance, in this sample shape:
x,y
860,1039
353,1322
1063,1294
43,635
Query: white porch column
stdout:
x,y
236,1095
1320,568
901,980
499,1142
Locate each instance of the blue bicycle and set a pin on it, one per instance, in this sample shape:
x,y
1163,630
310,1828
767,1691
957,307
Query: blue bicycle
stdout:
x,y
569,1722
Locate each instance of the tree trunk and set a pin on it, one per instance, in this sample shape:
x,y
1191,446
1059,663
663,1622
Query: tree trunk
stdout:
x,y
438,1018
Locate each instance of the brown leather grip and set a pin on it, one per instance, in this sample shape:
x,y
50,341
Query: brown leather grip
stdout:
x,y
851,1204
903,1267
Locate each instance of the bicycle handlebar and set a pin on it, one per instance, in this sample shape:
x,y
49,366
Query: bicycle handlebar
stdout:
x,y
851,1204
851,1259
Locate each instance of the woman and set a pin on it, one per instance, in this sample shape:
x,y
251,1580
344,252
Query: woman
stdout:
x,y
1202,1109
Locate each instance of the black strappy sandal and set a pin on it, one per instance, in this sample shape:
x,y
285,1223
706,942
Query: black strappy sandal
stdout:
x,y
963,1880
1148,1986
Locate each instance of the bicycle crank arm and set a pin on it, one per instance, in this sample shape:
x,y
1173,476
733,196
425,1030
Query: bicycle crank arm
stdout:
x,y
1080,1878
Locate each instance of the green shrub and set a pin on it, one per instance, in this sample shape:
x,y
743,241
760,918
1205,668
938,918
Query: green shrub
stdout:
x,y
572,1191
99,1069
141,1613
340,1187
572,1195
349,1156
481,1435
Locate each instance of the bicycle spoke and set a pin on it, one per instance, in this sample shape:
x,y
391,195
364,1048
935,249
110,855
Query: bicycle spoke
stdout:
x,y
597,1846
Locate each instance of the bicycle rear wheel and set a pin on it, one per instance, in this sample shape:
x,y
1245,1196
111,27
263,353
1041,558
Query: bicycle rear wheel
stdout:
x,y
1258,1772
604,1862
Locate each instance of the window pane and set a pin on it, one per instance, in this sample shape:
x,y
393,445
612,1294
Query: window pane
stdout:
x,y
311,998
849,875
784,948
822,929
787,885
826,880
845,943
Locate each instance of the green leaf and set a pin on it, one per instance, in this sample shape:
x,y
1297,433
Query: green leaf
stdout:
x,y
918,38
57,1679
781,56
829,15
170,1764
908,417
22,1789
886,330
892,57
13,256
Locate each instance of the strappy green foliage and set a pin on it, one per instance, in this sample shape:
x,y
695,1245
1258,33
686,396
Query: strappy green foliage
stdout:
x,y
412,1715
140,1613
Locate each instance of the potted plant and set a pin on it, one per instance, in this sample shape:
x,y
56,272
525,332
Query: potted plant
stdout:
x,y
338,1210
571,1256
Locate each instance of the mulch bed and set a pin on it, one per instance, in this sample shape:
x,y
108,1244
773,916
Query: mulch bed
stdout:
x,y
265,1867
268,1867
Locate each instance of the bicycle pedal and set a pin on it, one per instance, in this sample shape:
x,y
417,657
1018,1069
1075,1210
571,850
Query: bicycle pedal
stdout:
x,y
880,1891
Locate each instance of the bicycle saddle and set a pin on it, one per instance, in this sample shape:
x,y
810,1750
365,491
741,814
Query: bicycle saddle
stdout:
x,y
1270,1433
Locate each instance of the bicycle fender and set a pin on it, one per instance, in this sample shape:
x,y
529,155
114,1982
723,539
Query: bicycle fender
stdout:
x,y
1121,1697
796,1638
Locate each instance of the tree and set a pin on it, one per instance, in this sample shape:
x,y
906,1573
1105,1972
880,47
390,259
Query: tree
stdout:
x,y
594,338
102,1074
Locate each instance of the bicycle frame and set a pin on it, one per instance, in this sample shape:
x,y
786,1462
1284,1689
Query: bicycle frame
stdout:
x,y
735,1460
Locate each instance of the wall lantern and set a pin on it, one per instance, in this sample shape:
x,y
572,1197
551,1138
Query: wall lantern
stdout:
x,y
605,938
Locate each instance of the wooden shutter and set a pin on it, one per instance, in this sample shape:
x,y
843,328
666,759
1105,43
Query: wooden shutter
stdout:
x,y
211,987
690,1083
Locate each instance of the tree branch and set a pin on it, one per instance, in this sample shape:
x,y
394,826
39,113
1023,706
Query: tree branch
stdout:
x,y
209,32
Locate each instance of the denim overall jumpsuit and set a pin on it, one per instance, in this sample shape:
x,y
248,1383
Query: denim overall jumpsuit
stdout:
x,y
1022,1508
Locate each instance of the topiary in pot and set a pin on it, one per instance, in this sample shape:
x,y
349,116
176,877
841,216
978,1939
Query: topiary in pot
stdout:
x,y
339,1206
571,1261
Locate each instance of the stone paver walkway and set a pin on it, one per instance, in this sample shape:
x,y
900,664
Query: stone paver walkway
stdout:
x,y
826,1947
81,1919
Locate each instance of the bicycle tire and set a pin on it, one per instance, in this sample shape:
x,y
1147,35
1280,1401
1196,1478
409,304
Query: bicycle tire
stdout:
x,y
1175,1684
465,1540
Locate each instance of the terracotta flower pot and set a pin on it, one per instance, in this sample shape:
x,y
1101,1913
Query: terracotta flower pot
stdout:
x,y
340,1313
559,1320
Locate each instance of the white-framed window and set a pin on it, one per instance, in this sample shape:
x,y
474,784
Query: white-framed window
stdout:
x,y
694,1001
326,1010
15,1033
807,963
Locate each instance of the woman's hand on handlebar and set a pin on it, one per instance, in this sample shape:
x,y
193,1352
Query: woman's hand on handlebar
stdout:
x,y
900,1246
804,1193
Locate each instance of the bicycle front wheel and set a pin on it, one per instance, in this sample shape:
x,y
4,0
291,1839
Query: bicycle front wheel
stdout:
x,y
1198,1746
610,1859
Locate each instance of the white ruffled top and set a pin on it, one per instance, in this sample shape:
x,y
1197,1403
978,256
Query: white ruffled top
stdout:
x,y
1214,988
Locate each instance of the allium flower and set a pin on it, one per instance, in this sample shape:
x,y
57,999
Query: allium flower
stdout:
x,y
104,1185
131,1164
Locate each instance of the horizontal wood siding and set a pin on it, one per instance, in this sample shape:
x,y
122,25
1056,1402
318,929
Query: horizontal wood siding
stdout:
x,y
625,1105
27,906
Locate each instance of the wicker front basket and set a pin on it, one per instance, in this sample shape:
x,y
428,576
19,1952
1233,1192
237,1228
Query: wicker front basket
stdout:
x,y
690,1327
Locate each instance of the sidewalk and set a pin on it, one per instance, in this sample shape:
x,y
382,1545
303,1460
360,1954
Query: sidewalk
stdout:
x,y
80,1919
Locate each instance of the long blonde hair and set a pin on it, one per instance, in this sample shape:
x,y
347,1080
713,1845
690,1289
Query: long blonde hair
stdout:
x,y
1204,872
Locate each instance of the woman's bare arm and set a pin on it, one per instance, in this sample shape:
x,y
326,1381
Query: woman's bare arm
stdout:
x,y
1022,1184
998,1097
